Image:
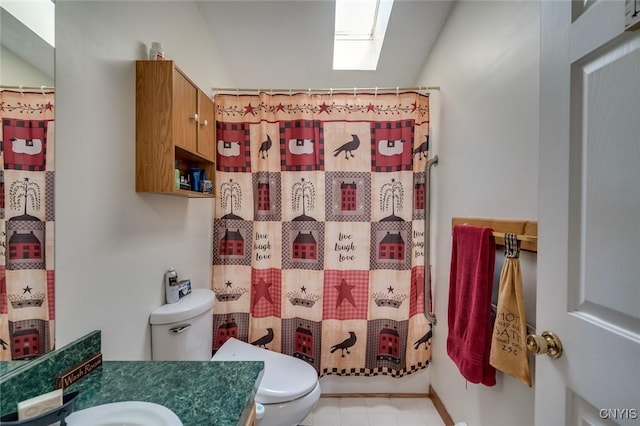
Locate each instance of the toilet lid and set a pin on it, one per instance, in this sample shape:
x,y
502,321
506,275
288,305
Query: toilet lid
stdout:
x,y
285,378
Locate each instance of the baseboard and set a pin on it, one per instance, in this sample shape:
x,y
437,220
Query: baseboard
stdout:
x,y
374,395
442,410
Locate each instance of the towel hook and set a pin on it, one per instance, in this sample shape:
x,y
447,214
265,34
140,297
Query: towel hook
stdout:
x,y
511,245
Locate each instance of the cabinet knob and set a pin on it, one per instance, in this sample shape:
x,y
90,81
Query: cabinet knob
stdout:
x,y
205,123
195,117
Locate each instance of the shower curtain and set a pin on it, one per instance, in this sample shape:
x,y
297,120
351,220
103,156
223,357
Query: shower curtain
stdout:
x,y
27,298
318,231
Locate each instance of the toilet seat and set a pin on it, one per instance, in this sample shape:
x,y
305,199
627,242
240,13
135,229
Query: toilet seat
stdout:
x,y
285,378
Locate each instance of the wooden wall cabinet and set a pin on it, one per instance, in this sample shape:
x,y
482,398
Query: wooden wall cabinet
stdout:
x,y
175,122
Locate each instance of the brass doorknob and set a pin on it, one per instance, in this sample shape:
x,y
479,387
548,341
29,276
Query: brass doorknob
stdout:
x,y
547,343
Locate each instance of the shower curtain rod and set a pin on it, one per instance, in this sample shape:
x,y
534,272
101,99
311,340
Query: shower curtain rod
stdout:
x,y
40,88
330,90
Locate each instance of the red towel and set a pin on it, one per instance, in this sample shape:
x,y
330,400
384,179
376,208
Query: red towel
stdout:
x,y
473,256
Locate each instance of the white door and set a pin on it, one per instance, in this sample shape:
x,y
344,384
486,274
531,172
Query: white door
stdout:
x,y
589,215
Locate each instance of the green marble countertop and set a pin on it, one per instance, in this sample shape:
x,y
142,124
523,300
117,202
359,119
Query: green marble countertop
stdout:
x,y
201,393
9,366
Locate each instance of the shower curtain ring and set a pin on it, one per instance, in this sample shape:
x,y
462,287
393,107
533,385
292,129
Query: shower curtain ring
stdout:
x,y
42,91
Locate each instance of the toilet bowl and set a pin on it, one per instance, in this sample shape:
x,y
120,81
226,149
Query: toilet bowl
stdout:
x,y
289,388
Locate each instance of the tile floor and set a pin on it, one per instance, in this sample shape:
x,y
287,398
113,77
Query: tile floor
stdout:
x,y
373,412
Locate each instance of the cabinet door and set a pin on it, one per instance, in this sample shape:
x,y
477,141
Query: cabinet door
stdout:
x,y
206,130
185,112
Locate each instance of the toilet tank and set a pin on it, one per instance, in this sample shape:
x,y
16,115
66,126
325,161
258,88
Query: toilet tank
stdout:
x,y
183,331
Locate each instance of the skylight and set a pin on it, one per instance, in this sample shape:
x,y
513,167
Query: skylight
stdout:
x,y
360,27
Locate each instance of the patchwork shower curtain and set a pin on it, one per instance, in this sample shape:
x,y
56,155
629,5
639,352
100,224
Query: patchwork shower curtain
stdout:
x,y
27,299
318,231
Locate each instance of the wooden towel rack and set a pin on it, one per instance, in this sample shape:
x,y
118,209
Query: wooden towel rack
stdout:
x,y
526,230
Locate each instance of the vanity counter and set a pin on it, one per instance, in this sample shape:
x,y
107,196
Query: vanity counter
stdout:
x,y
201,393
7,367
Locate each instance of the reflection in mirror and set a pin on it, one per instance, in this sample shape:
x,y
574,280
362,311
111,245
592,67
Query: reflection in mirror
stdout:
x,y
27,293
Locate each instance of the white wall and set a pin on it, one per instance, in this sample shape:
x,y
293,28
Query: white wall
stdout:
x,y
485,116
113,244
15,71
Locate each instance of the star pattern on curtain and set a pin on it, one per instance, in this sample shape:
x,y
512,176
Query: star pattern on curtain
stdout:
x,y
344,293
261,289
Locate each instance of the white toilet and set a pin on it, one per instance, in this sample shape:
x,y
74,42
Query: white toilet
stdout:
x,y
183,331
289,388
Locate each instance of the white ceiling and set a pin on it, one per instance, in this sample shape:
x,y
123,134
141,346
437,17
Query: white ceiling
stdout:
x,y
289,43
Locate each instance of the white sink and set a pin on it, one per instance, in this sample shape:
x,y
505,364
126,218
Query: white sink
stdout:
x,y
126,413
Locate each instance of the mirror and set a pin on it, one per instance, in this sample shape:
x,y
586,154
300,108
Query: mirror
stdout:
x,y
54,362
27,61
26,35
